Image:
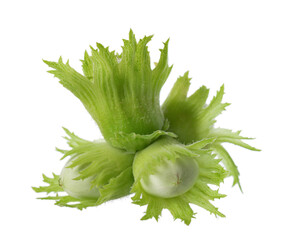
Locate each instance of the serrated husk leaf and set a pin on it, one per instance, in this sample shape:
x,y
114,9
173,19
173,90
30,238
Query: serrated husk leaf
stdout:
x,y
191,119
120,91
200,193
109,169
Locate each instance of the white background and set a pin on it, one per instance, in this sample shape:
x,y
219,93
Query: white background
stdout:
x,y
243,44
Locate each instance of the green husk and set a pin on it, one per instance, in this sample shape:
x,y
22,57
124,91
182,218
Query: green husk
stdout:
x,y
191,119
121,92
167,149
168,156
109,170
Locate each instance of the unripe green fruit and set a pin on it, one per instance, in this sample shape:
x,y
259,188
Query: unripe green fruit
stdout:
x,y
81,189
171,179
166,168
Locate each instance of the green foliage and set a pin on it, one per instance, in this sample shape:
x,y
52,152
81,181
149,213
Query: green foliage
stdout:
x,y
200,194
61,200
101,160
53,185
132,142
110,168
141,138
121,92
191,119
